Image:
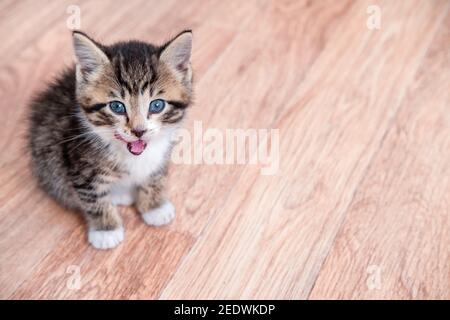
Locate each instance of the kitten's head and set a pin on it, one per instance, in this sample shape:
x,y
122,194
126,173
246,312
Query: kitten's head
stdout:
x,y
133,92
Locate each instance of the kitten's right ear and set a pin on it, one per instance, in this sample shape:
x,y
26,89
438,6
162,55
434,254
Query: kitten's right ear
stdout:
x,y
89,54
177,52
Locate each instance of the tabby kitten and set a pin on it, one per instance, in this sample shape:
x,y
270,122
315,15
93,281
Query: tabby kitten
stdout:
x,y
101,134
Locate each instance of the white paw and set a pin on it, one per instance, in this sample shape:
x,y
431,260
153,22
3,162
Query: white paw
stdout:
x,y
161,215
106,239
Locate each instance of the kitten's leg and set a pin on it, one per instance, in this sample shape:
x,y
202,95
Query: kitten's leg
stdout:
x,y
155,209
122,195
105,225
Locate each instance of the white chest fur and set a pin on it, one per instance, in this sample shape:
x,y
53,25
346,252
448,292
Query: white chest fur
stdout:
x,y
139,168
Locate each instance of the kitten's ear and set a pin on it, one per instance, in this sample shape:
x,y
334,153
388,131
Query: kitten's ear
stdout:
x,y
89,54
177,52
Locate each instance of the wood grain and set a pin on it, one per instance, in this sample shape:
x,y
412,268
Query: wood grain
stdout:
x,y
364,152
394,240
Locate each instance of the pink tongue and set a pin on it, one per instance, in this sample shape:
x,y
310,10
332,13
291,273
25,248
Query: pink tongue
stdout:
x,y
136,147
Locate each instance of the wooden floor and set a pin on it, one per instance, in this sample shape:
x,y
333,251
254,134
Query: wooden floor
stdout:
x,y
360,207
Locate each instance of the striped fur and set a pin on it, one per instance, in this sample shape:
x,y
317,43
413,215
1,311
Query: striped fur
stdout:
x,y
75,154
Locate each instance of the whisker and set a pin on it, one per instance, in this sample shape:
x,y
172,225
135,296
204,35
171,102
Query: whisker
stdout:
x,y
83,135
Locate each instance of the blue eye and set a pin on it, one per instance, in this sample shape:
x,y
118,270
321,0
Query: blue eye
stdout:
x,y
156,106
117,107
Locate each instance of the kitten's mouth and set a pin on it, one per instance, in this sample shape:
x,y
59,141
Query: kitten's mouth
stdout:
x,y
135,147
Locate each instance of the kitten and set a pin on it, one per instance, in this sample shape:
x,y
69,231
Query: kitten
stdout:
x,y
101,134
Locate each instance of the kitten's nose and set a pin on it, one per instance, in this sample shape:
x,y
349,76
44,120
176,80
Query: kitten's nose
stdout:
x,y
138,132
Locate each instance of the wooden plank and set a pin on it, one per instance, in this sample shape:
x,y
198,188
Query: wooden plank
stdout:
x,y
394,240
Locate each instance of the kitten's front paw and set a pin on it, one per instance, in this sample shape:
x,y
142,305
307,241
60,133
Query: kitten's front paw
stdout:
x,y
161,215
105,239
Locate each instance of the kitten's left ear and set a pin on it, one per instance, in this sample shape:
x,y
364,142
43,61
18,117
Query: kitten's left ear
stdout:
x,y
177,52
